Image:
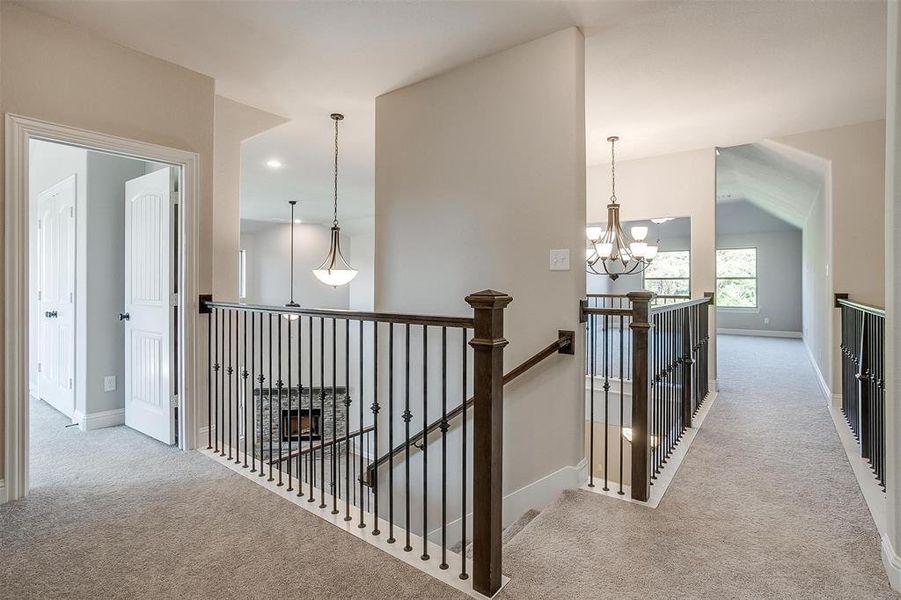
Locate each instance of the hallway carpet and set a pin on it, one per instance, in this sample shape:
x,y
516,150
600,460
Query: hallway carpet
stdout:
x,y
115,514
764,506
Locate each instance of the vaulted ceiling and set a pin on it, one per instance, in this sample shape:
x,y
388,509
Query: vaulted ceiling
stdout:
x,y
665,76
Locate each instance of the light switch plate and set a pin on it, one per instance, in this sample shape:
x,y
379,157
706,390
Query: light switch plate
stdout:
x,y
560,260
109,383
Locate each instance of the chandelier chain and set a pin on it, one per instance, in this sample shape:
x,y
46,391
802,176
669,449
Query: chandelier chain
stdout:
x,y
613,171
335,223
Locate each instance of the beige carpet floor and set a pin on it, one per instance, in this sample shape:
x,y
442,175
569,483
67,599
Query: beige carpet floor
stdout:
x,y
765,506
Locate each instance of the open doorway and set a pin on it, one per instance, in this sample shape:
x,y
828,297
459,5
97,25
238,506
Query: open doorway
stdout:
x,y
103,298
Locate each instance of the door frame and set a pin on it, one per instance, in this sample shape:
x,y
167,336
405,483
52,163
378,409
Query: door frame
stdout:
x,y
20,130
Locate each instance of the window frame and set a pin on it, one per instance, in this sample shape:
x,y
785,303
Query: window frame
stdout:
x,y
242,273
756,279
644,277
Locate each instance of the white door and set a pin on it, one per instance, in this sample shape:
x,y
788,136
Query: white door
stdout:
x,y
148,314
56,296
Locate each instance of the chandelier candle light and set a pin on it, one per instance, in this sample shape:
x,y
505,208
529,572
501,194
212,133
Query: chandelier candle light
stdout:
x,y
612,252
335,271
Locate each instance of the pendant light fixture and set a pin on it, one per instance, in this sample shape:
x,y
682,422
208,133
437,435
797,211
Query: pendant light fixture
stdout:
x,y
334,270
612,252
291,302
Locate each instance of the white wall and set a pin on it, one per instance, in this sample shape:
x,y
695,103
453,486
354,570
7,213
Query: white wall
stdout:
x,y
778,282
101,270
362,258
269,261
479,173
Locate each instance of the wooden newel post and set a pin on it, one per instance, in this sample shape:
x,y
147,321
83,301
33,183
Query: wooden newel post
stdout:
x,y
640,327
488,425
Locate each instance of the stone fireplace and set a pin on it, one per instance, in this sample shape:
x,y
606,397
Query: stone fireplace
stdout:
x,y
292,418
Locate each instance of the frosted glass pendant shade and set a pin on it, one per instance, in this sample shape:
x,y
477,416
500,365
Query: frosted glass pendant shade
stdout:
x,y
335,270
639,233
650,253
604,249
594,233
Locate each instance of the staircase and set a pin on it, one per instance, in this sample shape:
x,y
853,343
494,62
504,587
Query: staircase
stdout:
x,y
509,532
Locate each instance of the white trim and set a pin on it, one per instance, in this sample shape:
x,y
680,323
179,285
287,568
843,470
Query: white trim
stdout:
x,y
2,491
99,420
821,381
19,131
760,333
666,476
891,562
447,576
872,493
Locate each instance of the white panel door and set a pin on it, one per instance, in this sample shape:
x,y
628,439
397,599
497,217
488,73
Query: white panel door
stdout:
x,y
56,296
148,314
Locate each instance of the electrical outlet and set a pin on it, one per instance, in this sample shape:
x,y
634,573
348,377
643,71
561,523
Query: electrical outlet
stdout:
x,y
109,383
766,320
560,260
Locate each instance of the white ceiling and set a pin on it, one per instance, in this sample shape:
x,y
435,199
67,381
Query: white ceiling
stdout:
x,y
665,76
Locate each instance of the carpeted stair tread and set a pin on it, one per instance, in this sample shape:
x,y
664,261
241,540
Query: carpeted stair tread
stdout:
x,y
509,533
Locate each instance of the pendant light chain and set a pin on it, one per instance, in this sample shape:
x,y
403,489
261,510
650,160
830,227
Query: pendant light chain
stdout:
x,y
335,222
613,171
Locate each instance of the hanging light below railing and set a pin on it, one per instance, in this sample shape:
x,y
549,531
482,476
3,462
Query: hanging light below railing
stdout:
x,y
335,270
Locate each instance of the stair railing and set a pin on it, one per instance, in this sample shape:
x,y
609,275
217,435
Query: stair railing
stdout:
x,y
664,347
295,396
862,347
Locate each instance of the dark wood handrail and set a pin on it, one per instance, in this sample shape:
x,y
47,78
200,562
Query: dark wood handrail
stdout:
x,y
307,450
352,315
564,344
843,300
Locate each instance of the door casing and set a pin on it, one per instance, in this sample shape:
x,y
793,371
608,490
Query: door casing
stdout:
x,y
20,130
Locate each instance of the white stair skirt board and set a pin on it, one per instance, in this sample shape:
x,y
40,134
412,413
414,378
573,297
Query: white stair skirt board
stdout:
x,y
535,495
666,476
99,420
429,567
760,333
892,563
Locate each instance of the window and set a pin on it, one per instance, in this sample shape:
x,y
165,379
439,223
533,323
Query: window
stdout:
x,y
242,274
669,274
736,278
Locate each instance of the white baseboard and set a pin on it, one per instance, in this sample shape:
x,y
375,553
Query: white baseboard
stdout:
x,y
760,333
3,497
821,381
99,420
892,563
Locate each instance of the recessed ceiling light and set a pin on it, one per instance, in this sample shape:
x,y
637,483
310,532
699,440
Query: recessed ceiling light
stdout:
x,y
274,163
298,221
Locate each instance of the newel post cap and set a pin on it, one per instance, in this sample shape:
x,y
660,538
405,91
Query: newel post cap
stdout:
x,y
641,296
489,299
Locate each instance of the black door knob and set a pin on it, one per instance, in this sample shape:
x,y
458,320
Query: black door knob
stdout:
x,y
124,316
51,314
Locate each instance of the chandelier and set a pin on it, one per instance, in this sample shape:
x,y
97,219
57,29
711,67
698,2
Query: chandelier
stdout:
x,y
612,252
335,270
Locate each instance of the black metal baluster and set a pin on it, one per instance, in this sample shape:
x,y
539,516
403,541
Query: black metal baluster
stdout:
x,y
237,384
279,384
407,416
621,403
214,422
374,489
347,401
261,379
334,446
288,422
444,428
209,380
591,374
322,503
311,462
300,407
463,573
391,433
362,523
244,375
425,443
230,371
269,390
606,341
253,413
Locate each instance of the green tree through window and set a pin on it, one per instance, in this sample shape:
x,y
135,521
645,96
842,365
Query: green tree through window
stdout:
x,y
669,274
736,277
